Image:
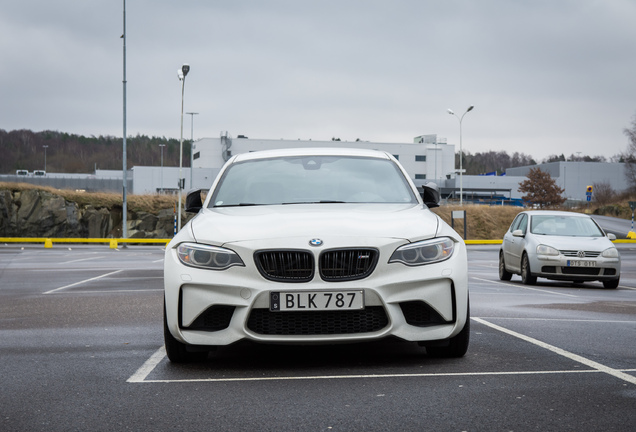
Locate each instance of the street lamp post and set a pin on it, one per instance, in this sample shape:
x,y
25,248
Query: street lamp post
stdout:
x,y
181,73
191,114
461,170
45,147
161,146
124,204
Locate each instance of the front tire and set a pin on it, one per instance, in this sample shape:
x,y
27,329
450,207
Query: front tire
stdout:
x,y
176,350
526,274
504,274
611,284
457,345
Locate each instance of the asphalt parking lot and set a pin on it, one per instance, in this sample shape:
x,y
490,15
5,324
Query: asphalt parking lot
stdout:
x,y
81,349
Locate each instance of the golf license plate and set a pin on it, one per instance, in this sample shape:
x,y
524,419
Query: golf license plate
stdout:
x,y
572,263
316,300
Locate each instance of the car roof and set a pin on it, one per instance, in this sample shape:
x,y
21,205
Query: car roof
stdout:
x,y
317,151
554,213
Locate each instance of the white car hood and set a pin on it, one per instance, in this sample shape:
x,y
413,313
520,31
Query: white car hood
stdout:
x,y
236,224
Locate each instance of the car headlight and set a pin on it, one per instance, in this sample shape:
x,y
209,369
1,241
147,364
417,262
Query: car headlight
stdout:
x,y
610,253
424,252
207,257
546,250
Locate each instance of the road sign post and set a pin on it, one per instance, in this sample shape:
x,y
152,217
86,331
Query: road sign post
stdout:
x,y
631,234
588,192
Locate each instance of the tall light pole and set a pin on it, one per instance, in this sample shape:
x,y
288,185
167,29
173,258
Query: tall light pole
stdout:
x,y
181,73
461,170
124,206
45,147
161,146
191,114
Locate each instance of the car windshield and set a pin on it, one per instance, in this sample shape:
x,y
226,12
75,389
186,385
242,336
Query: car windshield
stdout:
x,y
312,179
575,226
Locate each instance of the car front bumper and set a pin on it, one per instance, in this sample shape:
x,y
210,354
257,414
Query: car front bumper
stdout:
x,y
565,268
421,303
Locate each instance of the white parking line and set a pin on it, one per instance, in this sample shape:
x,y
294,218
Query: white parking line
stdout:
x,y
148,366
331,377
563,320
82,259
110,291
81,282
142,373
524,287
575,357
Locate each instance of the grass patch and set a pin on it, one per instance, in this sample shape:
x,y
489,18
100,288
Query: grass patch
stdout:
x,y
147,203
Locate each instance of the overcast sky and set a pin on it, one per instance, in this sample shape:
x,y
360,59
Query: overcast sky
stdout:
x,y
545,76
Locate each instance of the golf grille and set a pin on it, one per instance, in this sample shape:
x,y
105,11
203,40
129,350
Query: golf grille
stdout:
x,y
580,254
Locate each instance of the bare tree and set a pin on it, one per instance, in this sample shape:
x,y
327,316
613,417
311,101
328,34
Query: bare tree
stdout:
x,y
603,193
629,157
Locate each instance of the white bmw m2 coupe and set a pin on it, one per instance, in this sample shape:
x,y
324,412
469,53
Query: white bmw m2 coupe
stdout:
x,y
317,246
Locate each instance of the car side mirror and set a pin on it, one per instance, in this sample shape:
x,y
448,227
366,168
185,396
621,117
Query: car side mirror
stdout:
x,y
193,201
611,236
517,233
430,195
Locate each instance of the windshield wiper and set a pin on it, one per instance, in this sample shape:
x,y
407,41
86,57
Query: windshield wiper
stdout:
x,y
316,202
238,205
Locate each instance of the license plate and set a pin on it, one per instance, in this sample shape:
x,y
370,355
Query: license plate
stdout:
x,y
316,300
573,263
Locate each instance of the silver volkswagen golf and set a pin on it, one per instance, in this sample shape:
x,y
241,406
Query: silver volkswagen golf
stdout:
x,y
558,245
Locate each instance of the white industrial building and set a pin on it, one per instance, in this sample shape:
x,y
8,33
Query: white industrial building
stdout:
x,y
575,177
428,158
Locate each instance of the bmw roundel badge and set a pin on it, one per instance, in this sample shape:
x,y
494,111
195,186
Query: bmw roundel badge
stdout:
x,y
315,242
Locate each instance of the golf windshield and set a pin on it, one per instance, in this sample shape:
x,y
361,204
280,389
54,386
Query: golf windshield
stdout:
x,y
565,226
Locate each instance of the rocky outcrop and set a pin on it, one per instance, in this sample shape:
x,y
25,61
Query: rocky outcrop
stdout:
x,y
38,213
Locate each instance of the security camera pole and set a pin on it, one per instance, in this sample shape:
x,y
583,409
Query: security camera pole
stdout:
x,y
181,73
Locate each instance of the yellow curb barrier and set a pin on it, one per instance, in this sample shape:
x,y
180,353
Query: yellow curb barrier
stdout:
x,y
114,243
483,242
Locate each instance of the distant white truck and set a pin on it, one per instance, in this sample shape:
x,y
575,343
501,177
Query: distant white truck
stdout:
x,y
22,173
39,173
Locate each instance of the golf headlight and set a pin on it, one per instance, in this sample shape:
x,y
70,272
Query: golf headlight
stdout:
x,y
207,257
610,253
424,252
546,250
